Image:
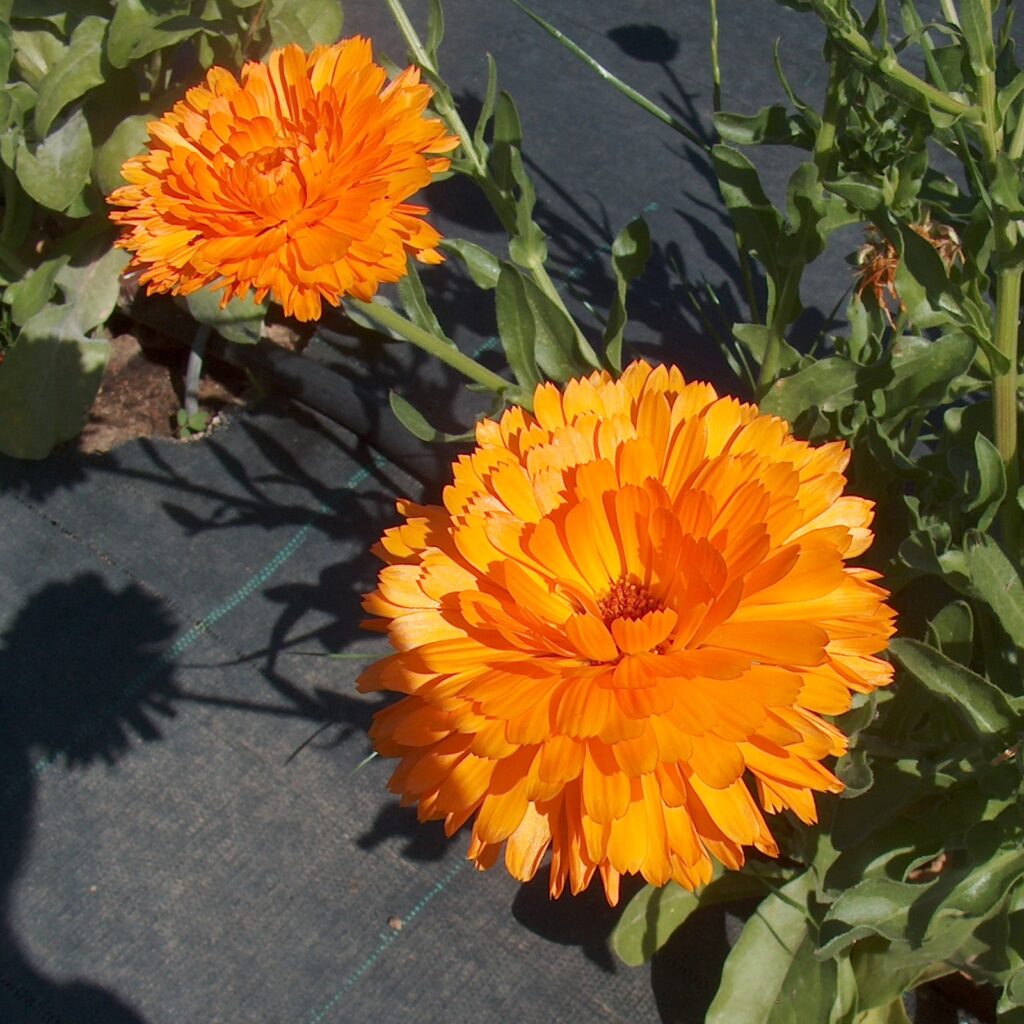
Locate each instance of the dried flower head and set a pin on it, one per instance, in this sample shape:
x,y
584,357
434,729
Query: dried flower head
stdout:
x,y
292,182
878,261
627,620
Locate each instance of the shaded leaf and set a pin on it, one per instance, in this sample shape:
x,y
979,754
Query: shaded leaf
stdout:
x,y
28,296
999,583
58,170
306,22
239,321
483,266
128,139
980,704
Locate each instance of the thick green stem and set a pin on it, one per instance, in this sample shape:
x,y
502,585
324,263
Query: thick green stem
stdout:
x,y
442,101
1004,400
895,72
438,347
1007,314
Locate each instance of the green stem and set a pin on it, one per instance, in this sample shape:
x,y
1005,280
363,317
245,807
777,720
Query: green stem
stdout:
x,y
442,100
1007,315
895,72
1004,400
430,343
194,369
627,90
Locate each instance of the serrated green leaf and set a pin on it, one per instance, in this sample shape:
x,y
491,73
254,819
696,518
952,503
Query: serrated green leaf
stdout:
x,y
982,706
483,266
58,170
306,22
999,583
77,71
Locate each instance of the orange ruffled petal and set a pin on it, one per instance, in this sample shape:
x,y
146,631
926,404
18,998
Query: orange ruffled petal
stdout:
x,y
618,636
290,182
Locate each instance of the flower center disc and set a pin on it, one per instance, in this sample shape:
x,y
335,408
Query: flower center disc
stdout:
x,y
627,600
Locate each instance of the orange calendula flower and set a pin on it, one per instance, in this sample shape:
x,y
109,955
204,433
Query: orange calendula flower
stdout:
x,y
292,182
618,637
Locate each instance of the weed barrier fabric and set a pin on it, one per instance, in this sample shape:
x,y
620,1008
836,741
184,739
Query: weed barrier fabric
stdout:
x,y
189,831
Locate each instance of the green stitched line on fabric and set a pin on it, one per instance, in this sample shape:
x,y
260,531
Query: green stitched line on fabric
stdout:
x,y
190,636
387,939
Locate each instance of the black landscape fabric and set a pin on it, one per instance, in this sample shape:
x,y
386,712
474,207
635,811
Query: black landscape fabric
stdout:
x,y
186,838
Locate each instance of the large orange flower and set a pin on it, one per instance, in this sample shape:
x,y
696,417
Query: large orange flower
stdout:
x,y
292,183
627,619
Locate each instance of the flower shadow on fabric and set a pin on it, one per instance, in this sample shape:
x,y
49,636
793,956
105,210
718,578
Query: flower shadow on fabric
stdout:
x,y
81,681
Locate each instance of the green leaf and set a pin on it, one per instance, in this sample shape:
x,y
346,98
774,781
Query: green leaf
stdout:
x,y
77,71
999,583
6,50
435,30
980,704
128,139
773,126
827,384
771,975
655,913
58,170
757,222
51,374
132,20
416,423
306,22
952,631
28,296
534,331
975,22
630,252
877,906
649,921
35,52
920,372
239,321
414,301
754,338
483,266
48,381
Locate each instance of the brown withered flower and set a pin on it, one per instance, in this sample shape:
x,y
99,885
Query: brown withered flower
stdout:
x,y
878,261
